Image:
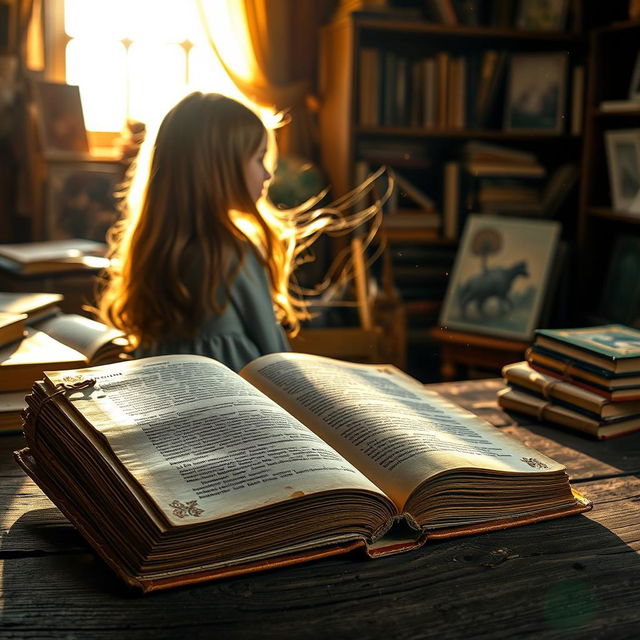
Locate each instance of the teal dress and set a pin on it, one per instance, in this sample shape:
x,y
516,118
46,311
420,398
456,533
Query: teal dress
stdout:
x,y
245,330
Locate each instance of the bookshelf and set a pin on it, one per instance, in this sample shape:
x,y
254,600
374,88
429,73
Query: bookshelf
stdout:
x,y
603,228
399,62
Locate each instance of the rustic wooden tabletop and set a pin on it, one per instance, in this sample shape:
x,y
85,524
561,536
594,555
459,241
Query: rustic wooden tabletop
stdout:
x,y
576,577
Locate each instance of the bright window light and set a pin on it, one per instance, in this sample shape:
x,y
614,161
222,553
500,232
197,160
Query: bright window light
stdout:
x,y
100,70
157,76
137,58
89,18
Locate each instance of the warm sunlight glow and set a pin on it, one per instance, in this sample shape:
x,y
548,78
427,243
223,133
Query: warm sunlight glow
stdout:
x,y
99,68
137,58
158,20
96,18
157,77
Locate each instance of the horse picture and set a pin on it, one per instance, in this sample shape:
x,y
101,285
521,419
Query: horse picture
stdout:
x,y
500,276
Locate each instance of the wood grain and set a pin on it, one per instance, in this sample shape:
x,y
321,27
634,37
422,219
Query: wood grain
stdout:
x,y
568,575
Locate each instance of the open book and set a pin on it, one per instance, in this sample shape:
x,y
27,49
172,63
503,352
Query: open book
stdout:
x,y
178,470
61,341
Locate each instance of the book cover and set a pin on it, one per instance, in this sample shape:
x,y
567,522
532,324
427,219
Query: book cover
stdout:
x,y
614,347
522,376
513,399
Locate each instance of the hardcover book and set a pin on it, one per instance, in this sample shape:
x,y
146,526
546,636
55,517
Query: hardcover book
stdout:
x,y
613,347
60,342
519,400
31,258
37,306
178,470
11,327
618,389
520,374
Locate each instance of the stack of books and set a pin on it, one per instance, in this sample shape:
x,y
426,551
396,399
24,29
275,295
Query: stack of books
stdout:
x,y
42,338
587,379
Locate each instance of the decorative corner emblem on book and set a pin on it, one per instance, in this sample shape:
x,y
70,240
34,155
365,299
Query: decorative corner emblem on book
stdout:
x,y
182,510
535,463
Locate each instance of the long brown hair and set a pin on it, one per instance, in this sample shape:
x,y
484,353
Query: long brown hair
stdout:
x,y
175,256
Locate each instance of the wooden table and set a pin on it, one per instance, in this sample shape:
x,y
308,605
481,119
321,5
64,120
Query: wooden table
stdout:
x,y
577,577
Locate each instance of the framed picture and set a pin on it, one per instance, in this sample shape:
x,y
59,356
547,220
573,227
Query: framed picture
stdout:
x,y
81,200
536,92
634,87
620,301
500,276
542,15
60,118
623,161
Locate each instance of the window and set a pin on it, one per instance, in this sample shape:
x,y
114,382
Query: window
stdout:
x,y
137,58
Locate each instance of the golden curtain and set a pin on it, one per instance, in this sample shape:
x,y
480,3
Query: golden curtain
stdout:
x,y
283,36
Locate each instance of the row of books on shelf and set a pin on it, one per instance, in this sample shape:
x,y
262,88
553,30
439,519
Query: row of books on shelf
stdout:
x,y
484,178
454,91
586,379
36,336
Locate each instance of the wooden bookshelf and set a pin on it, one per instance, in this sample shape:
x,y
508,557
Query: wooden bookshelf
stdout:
x,y
613,50
347,141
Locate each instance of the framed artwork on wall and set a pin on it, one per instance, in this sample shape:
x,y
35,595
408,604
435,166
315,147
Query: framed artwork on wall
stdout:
x,y
81,199
623,161
500,278
536,92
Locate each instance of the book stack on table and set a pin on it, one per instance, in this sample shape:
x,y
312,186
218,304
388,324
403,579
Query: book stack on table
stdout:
x,y
587,379
35,336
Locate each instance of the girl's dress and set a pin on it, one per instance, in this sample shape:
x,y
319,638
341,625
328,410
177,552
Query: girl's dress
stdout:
x,y
246,329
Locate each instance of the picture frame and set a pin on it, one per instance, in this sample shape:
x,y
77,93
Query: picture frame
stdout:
x,y
60,119
623,162
81,199
499,283
634,86
620,300
536,92
542,15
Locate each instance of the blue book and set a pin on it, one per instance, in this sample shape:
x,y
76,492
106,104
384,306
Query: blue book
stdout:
x,y
612,347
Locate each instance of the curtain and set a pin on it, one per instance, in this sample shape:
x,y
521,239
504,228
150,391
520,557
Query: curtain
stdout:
x,y
282,62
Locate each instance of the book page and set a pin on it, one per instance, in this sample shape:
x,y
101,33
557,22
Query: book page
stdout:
x,y
192,432
82,334
386,423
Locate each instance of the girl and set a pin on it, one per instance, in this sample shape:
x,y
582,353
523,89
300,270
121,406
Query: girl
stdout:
x,y
198,269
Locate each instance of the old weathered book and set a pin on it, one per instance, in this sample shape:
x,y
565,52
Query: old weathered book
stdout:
x,y
54,256
98,343
611,347
60,342
521,374
11,327
514,399
37,306
178,470
616,389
